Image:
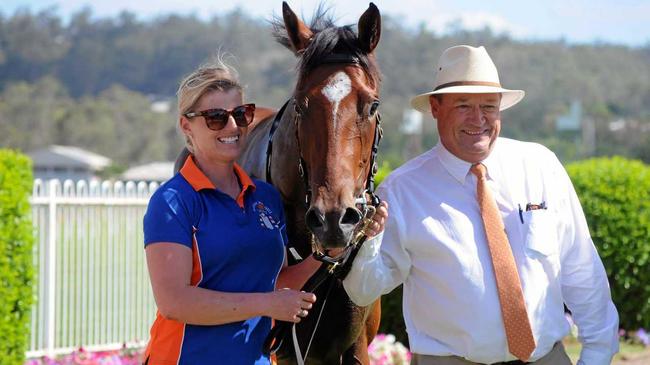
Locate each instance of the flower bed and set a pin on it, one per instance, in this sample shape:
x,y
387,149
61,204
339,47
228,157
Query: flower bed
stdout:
x,y
125,356
384,350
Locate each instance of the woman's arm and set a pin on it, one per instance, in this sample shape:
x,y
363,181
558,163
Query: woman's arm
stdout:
x,y
170,270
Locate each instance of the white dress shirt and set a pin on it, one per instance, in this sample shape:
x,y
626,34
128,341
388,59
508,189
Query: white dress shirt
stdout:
x,y
434,244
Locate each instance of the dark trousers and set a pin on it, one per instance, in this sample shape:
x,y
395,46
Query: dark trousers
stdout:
x,y
557,356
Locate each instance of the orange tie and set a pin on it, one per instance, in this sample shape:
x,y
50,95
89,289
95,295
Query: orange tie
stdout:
x,y
513,308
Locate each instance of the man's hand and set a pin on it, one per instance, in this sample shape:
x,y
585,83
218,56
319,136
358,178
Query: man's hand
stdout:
x,y
378,220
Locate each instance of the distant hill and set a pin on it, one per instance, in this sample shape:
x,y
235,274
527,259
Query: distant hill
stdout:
x,y
89,81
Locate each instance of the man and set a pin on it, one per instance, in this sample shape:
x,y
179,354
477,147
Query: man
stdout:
x,y
488,237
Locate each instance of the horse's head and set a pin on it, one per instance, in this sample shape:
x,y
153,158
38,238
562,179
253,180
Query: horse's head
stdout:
x,y
335,110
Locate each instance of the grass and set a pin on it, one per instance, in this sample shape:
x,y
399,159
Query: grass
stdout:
x,y
628,353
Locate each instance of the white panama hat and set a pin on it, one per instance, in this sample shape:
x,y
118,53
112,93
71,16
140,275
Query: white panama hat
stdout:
x,y
466,69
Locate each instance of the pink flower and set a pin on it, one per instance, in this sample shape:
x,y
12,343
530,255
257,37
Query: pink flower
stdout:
x,y
385,350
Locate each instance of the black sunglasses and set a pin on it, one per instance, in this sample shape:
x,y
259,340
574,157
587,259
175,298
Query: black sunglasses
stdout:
x,y
216,119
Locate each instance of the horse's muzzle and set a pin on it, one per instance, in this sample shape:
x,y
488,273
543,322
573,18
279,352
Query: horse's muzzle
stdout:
x,y
333,229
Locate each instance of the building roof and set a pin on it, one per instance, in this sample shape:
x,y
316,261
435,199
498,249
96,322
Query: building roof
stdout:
x,y
155,171
68,157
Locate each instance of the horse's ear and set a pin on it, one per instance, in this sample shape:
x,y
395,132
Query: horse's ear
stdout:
x,y
370,28
299,34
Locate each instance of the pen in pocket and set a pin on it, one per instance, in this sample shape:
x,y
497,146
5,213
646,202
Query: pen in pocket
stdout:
x,y
531,206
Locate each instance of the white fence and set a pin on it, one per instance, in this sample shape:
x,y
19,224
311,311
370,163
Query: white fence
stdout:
x,y
92,287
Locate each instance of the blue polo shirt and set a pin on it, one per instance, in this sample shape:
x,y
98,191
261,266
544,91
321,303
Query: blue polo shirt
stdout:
x,y
237,246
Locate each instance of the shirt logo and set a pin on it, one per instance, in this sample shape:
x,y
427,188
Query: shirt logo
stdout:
x,y
265,216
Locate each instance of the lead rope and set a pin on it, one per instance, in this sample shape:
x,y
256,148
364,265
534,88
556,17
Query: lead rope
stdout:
x,y
299,358
333,267
330,269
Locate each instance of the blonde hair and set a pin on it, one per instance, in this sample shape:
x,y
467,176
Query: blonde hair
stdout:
x,y
216,75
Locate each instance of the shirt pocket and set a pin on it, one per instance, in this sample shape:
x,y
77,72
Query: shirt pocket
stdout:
x,y
540,232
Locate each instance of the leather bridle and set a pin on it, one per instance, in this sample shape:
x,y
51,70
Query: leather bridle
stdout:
x,y
332,267
366,202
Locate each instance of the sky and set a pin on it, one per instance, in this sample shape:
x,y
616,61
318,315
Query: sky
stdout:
x,y
625,22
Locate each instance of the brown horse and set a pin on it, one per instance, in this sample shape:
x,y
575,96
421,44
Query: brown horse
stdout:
x,y
321,161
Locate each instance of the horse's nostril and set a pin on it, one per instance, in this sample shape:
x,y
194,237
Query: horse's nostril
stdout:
x,y
313,219
352,216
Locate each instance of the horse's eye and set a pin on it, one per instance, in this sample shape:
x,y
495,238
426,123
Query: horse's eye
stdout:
x,y
373,108
299,106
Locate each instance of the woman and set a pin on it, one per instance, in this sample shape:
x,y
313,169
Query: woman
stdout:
x,y
215,239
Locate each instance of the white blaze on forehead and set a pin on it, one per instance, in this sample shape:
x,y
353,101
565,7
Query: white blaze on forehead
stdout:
x,y
338,87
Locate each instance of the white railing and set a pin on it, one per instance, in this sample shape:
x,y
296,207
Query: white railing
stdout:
x,y
91,287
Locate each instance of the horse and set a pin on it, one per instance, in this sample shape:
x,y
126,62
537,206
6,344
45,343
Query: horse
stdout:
x,y
319,152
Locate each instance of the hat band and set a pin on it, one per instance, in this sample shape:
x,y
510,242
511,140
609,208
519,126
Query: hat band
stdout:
x,y
467,83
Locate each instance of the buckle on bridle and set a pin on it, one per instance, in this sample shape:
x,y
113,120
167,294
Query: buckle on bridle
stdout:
x,y
360,234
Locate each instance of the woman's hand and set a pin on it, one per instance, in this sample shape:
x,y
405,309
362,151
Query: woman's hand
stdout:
x,y
378,220
289,305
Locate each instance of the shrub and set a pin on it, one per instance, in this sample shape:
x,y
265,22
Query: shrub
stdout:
x,y
615,195
392,317
383,171
15,256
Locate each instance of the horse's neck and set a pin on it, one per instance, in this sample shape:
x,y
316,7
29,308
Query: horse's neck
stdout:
x,y
292,187
284,157
284,161
253,157
284,175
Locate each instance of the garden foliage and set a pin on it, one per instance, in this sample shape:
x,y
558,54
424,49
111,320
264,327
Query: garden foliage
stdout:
x,y
615,196
16,273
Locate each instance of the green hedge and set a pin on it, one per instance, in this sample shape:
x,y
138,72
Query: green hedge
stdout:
x,y
16,272
392,317
615,195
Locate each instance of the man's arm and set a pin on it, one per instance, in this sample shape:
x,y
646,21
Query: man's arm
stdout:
x,y
382,262
585,287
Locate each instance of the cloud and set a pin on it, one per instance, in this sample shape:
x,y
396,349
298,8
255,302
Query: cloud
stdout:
x,y
618,21
445,22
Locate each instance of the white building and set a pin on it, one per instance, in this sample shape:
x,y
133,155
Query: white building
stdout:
x,y
67,162
155,171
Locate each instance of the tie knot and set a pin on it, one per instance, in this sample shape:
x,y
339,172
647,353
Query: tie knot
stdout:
x,y
479,170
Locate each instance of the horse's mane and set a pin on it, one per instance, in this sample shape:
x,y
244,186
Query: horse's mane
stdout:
x,y
328,39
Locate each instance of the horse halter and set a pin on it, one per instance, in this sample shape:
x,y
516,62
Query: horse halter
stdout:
x,y
332,266
367,210
367,200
